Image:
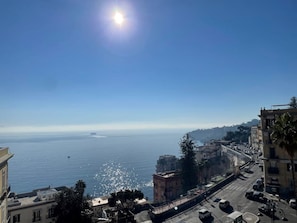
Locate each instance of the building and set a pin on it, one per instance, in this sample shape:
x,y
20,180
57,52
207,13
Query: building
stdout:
x,y
167,163
4,186
255,139
277,168
209,151
36,206
99,205
167,186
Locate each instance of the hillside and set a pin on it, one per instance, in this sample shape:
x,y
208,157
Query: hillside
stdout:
x,y
204,135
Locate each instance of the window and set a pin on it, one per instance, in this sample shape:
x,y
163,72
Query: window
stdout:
x,y
36,216
269,123
272,152
51,212
16,218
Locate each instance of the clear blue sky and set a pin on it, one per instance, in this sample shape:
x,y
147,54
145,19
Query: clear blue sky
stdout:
x,y
172,63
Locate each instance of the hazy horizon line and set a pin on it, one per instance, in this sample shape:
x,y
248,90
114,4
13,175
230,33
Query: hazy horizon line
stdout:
x,y
108,127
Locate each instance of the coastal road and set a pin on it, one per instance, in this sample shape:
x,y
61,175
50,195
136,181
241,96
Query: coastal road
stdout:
x,y
235,193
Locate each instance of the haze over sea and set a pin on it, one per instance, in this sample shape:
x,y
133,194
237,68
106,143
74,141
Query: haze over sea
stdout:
x,y
106,162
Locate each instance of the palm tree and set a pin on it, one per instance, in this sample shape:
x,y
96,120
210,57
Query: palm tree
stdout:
x,y
284,134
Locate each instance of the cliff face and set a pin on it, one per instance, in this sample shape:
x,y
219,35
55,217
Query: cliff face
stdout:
x,y
204,135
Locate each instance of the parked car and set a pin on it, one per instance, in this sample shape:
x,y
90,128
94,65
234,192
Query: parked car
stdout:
x,y
223,204
292,203
257,187
265,209
256,196
204,214
260,181
247,170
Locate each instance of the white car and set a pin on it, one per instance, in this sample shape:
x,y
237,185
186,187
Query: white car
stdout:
x,y
292,203
204,213
223,204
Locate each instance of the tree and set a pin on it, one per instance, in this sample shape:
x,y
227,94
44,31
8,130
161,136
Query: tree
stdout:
x,y
72,206
284,134
189,166
242,135
124,196
293,103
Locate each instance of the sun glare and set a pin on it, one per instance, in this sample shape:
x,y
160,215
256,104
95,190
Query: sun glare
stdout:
x,y
118,18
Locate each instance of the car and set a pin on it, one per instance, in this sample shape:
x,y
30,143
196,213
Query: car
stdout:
x,y
247,170
265,209
249,194
259,181
292,203
256,196
257,187
223,204
204,214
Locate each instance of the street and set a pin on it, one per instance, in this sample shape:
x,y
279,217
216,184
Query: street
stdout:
x,y
235,193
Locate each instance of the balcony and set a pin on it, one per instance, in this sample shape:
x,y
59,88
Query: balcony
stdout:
x,y
273,170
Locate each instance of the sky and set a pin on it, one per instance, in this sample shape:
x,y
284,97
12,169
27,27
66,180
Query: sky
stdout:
x,y
187,64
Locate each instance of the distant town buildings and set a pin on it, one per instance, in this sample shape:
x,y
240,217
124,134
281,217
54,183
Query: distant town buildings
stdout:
x,y
277,168
5,189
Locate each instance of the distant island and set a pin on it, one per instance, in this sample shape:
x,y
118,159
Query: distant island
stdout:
x,y
205,135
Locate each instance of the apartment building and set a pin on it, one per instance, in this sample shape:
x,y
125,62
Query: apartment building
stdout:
x,y
277,167
167,186
36,206
4,186
255,139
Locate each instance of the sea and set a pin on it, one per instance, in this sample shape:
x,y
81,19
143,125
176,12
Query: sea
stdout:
x,y
107,162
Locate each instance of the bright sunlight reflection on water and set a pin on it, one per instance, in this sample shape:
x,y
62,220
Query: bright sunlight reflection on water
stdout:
x,y
112,177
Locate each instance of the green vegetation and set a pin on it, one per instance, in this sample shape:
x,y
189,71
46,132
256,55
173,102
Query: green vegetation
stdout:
x,y
124,196
293,103
189,167
72,206
240,136
284,134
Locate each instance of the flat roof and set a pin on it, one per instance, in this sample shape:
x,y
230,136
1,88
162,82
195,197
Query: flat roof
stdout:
x,y
98,201
234,215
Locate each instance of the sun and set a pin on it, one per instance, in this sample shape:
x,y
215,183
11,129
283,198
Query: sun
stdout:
x,y
118,18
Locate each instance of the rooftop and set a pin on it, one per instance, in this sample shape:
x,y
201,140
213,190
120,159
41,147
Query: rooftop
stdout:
x,y
42,195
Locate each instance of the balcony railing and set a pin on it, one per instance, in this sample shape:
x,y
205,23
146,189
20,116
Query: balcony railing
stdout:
x,y
273,170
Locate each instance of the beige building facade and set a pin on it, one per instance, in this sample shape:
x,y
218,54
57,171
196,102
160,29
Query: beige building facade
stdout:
x,y
4,186
36,206
277,167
